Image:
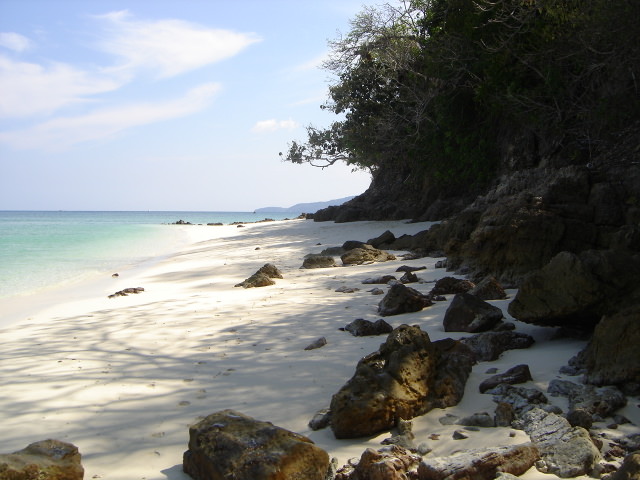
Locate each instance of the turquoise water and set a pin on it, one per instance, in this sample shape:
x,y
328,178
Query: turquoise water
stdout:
x,y
44,249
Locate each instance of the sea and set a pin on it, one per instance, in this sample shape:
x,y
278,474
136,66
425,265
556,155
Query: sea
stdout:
x,y
44,249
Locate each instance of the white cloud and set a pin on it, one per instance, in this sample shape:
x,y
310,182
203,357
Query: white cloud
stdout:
x,y
33,89
312,64
14,41
64,132
272,125
171,46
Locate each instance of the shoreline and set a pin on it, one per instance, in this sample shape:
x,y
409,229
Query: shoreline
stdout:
x,y
123,378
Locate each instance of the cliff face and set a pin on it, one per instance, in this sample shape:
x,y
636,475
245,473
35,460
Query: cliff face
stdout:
x,y
542,205
398,193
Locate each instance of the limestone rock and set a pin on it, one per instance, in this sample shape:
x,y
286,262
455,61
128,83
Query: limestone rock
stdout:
x,y
468,313
351,244
384,240
517,374
451,285
575,290
270,270
319,343
629,470
258,279
611,357
488,346
361,327
318,261
489,289
409,277
262,278
365,254
566,451
402,299
390,463
408,376
229,444
46,460
481,464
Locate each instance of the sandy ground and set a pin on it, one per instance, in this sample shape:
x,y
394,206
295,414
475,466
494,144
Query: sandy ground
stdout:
x,y
124,378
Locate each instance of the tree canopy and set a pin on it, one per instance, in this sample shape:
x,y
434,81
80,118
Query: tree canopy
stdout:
x,y
438,83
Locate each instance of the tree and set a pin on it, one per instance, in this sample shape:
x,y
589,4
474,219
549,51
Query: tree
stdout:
x,y
438,84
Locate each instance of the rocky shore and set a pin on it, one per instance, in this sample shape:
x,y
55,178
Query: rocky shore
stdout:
x,y
374,363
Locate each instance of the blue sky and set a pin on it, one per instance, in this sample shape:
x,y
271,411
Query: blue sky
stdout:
x,y
164,105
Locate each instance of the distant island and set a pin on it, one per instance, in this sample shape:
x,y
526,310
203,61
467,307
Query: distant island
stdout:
x,y
304,207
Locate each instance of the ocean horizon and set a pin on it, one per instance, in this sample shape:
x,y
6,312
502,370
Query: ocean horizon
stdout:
x,y
41,249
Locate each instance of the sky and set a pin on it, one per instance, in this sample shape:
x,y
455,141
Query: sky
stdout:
x,y
165,105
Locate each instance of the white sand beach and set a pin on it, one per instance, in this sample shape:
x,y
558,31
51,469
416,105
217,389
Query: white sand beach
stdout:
x,y
123,378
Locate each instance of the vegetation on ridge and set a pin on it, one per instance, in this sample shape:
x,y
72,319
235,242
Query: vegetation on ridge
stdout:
x,y
438,85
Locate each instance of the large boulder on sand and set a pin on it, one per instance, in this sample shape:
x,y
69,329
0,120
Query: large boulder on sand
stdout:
x,y
468,313
262,277
365,254
575,290
611,357
408,376
401,299
229,444
318,261
47,459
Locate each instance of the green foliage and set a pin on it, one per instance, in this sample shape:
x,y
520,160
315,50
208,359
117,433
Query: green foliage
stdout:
x,y
433,83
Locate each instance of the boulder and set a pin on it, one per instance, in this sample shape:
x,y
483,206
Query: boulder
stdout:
x,y
46,460
389,463
386,239
319,343
515,375
258,279
365,254
351,244
488,346
262,277
408,376
229,444
468,313
318,261
451,285
629,470
362,328
575,290
489,289
402,299
480,464
566,451
611,357
270,270
409,277
482,419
